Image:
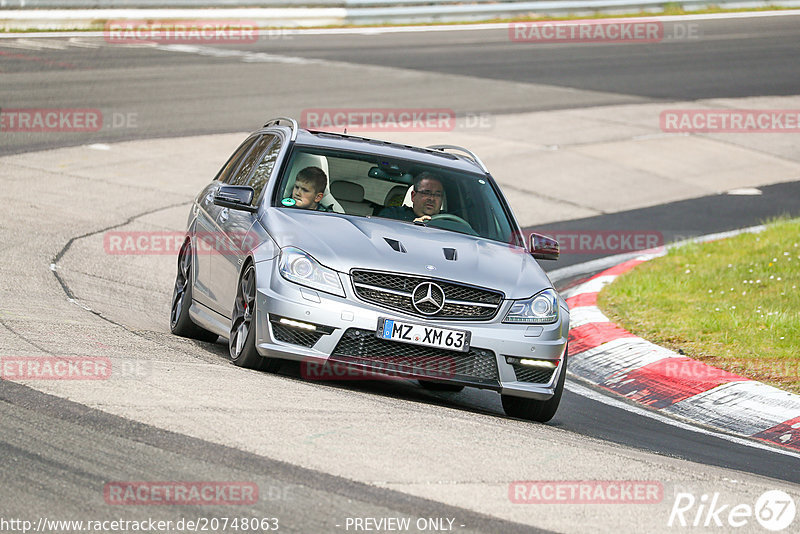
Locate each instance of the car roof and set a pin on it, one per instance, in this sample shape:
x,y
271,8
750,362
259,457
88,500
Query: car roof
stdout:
x,y
354,143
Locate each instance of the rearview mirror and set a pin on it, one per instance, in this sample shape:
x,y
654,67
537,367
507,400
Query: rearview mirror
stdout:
x,y
390,174
543,247
236,197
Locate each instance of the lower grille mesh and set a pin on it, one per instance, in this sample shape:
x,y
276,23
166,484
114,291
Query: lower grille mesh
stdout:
x,y
362,347
296,336
537,375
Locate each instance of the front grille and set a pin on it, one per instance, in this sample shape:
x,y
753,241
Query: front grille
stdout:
x,y
537,375
395,292
296,336
363,349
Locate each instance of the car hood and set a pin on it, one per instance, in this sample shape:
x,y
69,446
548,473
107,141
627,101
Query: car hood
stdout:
x,y
344,242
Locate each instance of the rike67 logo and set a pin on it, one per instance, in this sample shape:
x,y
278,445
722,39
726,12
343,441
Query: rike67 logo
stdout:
x,y
774,510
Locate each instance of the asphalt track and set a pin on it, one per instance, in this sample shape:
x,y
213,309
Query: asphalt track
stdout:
x,y
177,92
55,448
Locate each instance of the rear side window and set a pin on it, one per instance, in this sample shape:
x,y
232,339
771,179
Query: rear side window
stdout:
x,y
265,167
226,171
240,178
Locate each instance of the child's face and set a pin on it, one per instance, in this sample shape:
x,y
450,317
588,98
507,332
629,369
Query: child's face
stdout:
x,y
303,193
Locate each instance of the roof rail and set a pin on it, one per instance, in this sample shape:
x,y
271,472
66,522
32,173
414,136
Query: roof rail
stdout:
x,y
276,121
469,154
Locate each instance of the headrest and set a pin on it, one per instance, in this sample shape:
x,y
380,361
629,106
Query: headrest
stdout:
x,y
347,191
395,195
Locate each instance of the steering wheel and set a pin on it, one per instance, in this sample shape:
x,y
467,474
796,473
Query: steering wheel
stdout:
x,y
449,217
453,218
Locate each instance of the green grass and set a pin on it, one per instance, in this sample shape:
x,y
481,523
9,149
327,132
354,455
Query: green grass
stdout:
x,y
733,303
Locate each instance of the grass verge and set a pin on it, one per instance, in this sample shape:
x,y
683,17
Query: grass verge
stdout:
x,y
733,303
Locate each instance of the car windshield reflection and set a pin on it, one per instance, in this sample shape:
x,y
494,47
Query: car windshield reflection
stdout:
x,y
365,185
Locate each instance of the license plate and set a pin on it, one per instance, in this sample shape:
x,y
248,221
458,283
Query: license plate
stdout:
x,y
420,334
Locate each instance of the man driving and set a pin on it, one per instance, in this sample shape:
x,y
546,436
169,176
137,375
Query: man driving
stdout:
x,y
426,200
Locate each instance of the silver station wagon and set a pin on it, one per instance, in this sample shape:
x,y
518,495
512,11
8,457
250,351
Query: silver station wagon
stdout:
x,y
386,260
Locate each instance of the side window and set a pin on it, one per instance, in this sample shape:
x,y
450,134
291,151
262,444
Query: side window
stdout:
x,y
225,173
264,170
240,178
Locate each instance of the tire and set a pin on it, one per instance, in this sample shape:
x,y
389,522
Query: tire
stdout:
x,y
440,386
536,410
241,341
180,323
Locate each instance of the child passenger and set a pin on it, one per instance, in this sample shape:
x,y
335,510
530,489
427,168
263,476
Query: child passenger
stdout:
x,y
309,188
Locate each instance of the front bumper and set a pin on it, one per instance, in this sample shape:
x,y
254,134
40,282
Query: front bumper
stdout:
x,y
302,324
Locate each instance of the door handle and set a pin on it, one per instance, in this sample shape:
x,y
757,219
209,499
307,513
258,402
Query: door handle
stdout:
x,y
223,215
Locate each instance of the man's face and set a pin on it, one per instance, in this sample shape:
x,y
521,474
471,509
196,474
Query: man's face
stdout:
x,y
427,199
303,194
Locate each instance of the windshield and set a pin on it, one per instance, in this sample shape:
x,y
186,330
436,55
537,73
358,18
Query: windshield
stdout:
x,y
368,185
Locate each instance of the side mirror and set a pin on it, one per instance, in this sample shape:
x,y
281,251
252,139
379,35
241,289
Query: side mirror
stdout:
x,y
237,197
543,247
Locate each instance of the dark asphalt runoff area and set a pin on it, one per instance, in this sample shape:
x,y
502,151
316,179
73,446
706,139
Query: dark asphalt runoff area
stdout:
x,y
52,448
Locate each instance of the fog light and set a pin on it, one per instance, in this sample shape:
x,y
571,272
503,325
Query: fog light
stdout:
x,y
544,364
298,324
547,364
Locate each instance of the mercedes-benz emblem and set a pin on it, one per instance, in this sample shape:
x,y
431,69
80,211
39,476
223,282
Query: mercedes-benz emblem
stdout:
x,y
428,298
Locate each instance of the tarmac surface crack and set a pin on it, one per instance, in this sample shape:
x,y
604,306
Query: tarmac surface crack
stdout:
x,y
23,338
74,299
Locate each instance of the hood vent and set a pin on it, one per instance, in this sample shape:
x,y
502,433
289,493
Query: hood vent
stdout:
x,y
450,254
395,244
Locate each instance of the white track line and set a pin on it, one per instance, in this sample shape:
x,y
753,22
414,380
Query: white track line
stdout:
x,y
608,399
583,391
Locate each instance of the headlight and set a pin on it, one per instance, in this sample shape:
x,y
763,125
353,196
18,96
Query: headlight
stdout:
x,y
541,309
300,268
